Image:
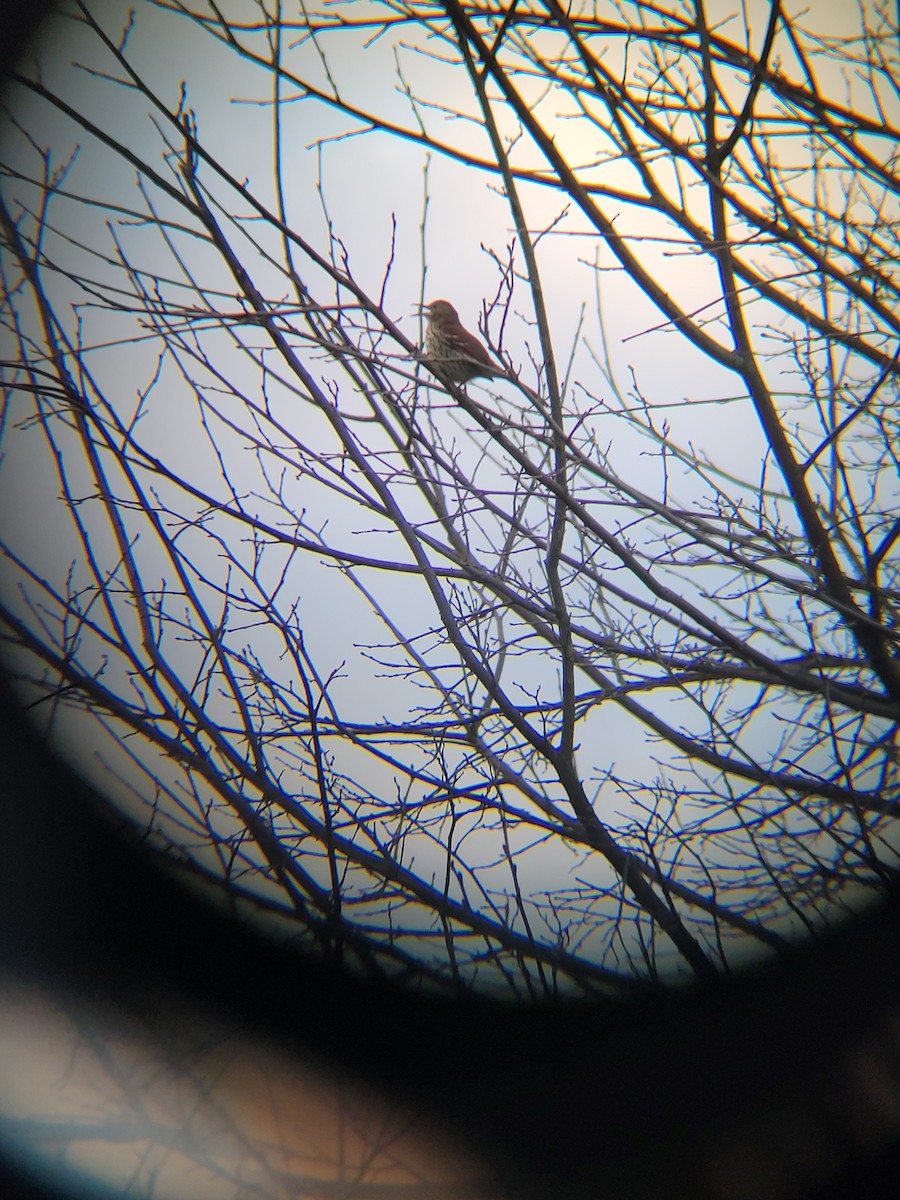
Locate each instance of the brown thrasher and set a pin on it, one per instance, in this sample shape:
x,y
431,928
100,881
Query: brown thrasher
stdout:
x,y
456,353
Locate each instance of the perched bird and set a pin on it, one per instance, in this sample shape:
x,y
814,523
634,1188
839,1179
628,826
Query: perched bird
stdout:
x,y
454,351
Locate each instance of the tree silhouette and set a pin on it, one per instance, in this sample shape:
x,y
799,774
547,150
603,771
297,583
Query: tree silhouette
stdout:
x,y
576,679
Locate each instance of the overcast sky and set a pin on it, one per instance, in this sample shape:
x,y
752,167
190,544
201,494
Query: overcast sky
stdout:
x,y
409,225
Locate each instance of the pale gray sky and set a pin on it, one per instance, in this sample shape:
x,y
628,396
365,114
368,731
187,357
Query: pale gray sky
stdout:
x,y
399,215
